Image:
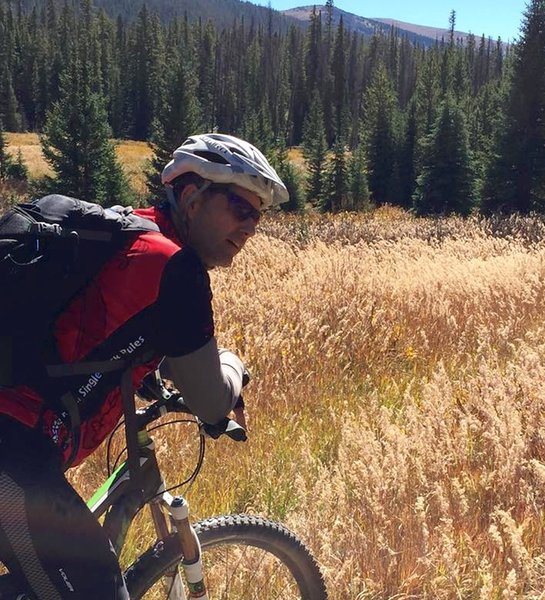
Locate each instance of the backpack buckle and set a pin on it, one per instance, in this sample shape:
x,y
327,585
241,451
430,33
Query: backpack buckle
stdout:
x,y
46,229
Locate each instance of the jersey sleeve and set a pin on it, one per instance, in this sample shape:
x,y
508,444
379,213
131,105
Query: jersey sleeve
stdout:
x,y
182,317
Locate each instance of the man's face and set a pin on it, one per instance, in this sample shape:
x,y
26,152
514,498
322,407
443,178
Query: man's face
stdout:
x,y
220,221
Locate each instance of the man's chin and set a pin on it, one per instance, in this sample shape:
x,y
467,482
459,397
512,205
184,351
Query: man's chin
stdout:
x,y
219,262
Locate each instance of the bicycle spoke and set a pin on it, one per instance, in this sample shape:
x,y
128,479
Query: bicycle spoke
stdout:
x,y
173,586
252,573
267,582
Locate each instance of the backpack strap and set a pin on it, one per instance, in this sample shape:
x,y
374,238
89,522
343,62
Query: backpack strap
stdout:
x,y
86,368
72,409
69,401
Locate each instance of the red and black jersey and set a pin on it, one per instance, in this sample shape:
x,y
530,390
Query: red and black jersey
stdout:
x,y
152,299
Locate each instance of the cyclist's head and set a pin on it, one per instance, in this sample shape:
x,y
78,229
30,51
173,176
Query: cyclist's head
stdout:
x,y
217,186
227,160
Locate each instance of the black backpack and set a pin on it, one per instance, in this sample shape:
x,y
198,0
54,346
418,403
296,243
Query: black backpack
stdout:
x,y
49,250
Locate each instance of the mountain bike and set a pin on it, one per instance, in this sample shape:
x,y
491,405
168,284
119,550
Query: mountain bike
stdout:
x,y
238,556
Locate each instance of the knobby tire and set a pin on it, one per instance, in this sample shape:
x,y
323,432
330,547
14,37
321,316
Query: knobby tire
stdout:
x,y
245,557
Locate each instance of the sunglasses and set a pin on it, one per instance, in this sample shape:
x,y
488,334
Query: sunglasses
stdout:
x,y
239,206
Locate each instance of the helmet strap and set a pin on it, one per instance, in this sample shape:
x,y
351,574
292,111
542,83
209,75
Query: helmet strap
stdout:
x,y
189,201
170,197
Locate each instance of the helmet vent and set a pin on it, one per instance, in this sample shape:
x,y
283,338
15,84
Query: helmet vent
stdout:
x,y
211,156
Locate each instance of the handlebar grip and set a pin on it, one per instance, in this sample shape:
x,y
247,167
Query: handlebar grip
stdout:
x,y
228,427
177,404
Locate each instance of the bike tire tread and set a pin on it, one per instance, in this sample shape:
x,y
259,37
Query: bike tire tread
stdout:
x,y
225,529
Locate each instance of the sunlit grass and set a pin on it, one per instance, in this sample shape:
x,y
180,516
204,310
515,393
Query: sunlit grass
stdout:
x,y
397,408
132,155
31,152
397,403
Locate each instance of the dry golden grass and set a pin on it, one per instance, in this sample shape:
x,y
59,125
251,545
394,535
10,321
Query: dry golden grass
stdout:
x,y
29,144
397,407
133,156
296,156
397,403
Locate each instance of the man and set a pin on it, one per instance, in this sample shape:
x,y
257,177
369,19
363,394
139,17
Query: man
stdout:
x,y
151,300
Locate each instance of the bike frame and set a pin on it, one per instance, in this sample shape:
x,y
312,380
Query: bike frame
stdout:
x,y
138,482
120,501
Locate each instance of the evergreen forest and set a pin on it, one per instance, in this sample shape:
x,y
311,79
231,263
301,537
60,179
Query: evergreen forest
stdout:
x,y
452,128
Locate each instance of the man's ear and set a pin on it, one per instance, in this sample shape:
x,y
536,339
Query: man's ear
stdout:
x,y
188,198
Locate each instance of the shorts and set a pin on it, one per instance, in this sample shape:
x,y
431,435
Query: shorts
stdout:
x,y
51,542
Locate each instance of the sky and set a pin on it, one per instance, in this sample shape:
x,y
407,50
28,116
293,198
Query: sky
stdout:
x,y
494,18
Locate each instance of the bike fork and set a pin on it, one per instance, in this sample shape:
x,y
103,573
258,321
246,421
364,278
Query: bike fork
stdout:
x,y
178,509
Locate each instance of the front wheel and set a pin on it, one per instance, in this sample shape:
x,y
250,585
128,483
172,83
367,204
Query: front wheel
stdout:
x,y
244,556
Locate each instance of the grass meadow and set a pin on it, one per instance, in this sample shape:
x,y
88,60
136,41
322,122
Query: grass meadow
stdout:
x,y
397,406
132,155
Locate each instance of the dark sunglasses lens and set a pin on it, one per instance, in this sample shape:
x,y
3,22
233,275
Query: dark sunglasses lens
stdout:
x,y
242,209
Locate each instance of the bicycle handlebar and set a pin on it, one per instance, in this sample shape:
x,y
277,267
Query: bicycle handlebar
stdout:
x,y
165,401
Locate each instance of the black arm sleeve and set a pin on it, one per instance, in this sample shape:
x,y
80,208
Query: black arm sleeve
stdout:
x,y
183,320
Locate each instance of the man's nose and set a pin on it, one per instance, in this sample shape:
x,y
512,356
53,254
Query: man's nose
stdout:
x,y
249,227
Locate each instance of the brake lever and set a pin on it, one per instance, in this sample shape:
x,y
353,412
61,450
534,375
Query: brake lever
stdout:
x,y
225,427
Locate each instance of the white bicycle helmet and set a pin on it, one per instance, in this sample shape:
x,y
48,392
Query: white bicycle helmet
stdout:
x,y
226,159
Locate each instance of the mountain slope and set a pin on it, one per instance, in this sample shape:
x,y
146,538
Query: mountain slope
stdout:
x,y
423,30
421,34
221,12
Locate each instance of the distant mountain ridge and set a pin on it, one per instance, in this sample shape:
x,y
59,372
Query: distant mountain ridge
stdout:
x,y
421,34
224,12
221,12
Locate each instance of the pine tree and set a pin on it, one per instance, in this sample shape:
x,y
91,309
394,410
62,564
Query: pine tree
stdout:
x,y
358,196
446,69
339,72
179,119
452,27
381,116
355,87
18,170
335,189
447,182
406,79
314,149
407,158
206,54
257,128
120,111
428,90
460,78
486,122
516,178
313,53
109,72
76,143
9,111
146,73
296,86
